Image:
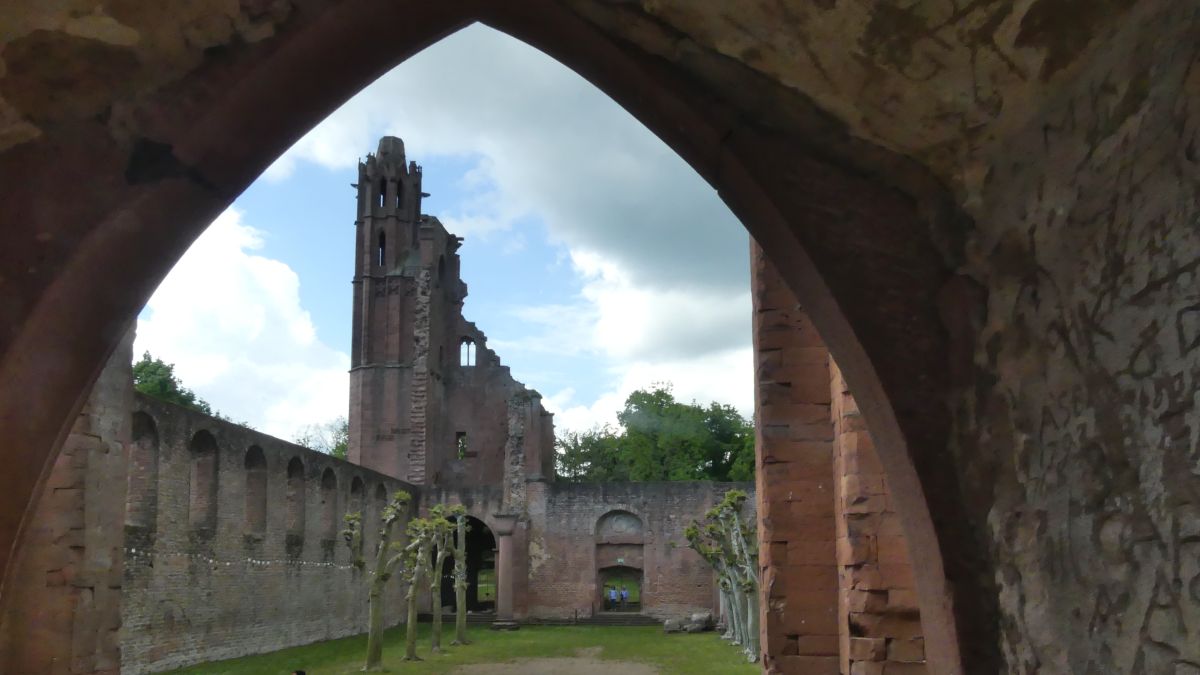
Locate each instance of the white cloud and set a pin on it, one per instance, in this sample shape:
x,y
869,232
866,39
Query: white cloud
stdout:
x,y
232,324
662,262
549,144
724,377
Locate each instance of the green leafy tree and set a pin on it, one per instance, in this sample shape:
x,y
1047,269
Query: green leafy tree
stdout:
x,y
331,438
156,378
661,439
591,456
727,539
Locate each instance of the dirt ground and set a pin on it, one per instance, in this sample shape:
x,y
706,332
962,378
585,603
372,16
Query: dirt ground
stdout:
x,y
583,663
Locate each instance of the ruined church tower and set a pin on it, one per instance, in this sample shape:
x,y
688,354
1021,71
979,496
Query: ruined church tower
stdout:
x,y
388,355
430,403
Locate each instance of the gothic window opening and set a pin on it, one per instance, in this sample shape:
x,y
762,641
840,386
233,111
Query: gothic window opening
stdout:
x,y
382,192
399,195
460,443
256,491
380,250
466,354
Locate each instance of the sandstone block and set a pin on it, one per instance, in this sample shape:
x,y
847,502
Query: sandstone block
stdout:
x,y
867,649
909,651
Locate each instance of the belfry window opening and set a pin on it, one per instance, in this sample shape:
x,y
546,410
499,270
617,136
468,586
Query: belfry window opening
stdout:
x,y
382,192
381,250
466,355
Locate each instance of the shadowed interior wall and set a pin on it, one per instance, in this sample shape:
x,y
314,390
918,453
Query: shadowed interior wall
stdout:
x,y
64,616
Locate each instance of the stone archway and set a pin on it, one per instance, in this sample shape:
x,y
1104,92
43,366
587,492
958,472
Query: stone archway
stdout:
x,y
481,569
620,542
188,147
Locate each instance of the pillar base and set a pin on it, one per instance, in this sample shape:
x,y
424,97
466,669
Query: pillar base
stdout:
x,y
505,624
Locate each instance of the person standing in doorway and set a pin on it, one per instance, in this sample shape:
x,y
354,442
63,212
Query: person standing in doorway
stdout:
x,y
612,598
624,598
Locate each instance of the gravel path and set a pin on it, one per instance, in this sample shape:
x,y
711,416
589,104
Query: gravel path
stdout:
x,y
585,663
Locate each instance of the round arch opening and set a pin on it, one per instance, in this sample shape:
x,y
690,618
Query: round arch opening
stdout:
x,y
481,570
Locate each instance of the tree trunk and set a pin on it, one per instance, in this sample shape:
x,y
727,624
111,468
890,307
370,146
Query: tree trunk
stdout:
x,y
739,614
726,612
460,584
410,628
375,629
435,598
752,625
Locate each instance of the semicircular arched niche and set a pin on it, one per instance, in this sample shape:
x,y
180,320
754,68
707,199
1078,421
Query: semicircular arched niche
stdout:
x,y
620,560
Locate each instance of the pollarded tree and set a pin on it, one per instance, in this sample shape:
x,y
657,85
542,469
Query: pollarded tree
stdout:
x,y
421,533
460,574
442,532
388,555
727,542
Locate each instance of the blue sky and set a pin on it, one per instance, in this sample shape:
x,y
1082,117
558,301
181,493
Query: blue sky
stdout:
x,y
597,261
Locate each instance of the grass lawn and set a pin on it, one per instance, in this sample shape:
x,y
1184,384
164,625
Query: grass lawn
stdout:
x,y
680,654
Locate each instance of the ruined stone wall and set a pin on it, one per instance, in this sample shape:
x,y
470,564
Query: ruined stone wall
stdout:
x,y
566,552
477,402
65,615
793,445
413,395
242,554
879,621
559,552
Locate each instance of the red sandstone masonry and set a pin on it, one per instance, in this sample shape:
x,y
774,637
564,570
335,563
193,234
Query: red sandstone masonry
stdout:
x,y
839,595
795,492
881,626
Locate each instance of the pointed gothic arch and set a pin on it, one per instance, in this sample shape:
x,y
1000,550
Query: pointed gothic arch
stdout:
x,y
769,173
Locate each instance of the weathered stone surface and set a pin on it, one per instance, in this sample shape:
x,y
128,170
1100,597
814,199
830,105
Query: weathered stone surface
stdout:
x,y
989,208
192,595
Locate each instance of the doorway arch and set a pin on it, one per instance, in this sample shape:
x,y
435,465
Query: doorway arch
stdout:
x,y
779,163
620,556
481,570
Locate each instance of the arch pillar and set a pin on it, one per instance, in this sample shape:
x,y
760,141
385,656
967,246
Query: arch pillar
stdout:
x,y
503,526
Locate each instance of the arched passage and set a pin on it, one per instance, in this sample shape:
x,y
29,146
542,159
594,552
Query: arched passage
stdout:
x,y
620,588
481,569
620,538
782,166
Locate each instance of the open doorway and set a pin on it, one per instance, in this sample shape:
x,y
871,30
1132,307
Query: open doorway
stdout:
x,y
620,589
481,570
